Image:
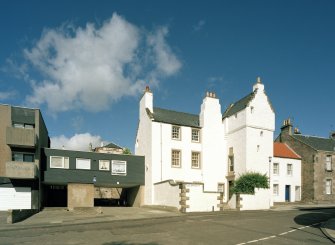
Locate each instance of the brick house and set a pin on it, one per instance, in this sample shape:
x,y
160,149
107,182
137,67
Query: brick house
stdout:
x,y
317,158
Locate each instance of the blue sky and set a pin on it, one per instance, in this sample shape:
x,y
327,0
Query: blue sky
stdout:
x,y
85,63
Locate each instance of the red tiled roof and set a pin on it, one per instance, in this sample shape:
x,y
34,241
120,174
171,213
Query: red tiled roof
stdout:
x,y
283,150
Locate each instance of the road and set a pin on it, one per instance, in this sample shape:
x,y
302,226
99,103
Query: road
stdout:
x,y
247,227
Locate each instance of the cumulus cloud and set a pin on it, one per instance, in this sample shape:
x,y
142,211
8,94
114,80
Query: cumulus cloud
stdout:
x,y
79,142
91,67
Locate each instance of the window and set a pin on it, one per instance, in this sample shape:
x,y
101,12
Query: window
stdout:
x,y
276,168
22,157
176,133
289,169
104,165
195,135
176,158
195,159
251,109
328,186
329,163
23,125
82,163
275,189
258,148
261,133
231,160
119,167
59,162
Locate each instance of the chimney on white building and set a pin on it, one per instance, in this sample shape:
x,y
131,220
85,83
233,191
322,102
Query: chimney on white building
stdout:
x,y
258,85
210,109
146,101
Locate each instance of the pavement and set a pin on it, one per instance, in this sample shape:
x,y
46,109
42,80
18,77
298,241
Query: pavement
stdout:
x,y
63,216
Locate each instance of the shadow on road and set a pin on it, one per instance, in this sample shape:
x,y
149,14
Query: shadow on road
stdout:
x,y
314,216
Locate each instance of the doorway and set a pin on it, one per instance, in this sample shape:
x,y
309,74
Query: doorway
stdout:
x,y
287,193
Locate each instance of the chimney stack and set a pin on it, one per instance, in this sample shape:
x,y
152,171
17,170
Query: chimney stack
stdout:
x,y
287,127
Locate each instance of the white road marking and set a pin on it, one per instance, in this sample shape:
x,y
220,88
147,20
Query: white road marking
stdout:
x,y
281,234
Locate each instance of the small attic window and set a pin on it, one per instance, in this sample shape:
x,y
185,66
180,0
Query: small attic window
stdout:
x,y
261,133
235,115
251,109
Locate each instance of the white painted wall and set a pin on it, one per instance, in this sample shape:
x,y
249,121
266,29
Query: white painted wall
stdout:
x,y
15,198
200,201
282,179
167,194
260,200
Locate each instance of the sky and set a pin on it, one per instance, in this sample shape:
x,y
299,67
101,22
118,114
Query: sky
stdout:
x,y
85,64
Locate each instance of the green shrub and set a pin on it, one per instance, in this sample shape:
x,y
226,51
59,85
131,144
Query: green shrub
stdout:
x,y
247,183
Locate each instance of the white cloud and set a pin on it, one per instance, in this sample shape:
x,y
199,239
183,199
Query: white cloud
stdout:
x,y
7,95
79,142
92,67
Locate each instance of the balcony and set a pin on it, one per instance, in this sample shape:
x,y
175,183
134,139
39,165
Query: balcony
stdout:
x,y
21,170
20,137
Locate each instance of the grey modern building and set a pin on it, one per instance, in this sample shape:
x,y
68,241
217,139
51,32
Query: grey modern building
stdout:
x,y
85,179
23,134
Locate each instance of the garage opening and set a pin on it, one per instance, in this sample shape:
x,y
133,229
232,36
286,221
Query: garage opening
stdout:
x,y
116,197
55,196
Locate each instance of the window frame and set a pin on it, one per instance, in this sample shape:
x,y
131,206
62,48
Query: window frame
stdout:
x,y
101,165
198,131
172,158
198,159
85,167
277,169
328,187
289,171
275,189
65,164
115,163
173,132
23,154
328,164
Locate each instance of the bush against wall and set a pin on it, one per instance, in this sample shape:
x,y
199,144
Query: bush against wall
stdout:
x,y
247,183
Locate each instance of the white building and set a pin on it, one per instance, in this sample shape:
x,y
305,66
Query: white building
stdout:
x,y
286,174
191,160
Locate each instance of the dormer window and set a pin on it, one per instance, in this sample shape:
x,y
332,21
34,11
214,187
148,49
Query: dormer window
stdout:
x,y
176,133
251,109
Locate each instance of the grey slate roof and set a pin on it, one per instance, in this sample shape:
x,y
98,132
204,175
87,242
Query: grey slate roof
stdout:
x,y
174,117
239,105
317,143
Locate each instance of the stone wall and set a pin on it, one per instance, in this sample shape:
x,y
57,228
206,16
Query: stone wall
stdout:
x,y
80,195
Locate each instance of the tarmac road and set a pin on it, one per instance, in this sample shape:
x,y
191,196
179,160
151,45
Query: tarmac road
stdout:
x,y
160,227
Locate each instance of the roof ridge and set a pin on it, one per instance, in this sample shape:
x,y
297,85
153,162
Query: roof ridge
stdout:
x,y
319,137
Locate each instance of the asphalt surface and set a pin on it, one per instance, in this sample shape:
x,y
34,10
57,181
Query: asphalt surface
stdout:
x,y
294,224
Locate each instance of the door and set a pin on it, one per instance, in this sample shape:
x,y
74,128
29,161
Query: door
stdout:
x,y
287,193
297,193
15,198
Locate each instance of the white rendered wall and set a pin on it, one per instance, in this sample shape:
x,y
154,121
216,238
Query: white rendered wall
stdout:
x,y
167,194
214,152
282,179
260,200
200,201
143,145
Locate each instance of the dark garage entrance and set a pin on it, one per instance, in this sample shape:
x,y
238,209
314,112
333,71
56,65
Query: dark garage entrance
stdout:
x,y
55,196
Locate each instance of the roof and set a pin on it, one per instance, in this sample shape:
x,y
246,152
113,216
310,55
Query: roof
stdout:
x,y
112,145
317,143
174,117
239,105
283,150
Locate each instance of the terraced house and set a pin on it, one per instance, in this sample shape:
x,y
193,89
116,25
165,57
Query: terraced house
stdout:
x,y
192,160
317,162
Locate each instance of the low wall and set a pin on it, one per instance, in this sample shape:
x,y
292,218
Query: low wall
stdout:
x,y
200,201
167,194
260,200
80,195
18,215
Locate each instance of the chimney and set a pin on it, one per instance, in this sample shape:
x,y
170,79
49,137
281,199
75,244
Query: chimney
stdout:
x,y
287,127
297,131
146,102
332,135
